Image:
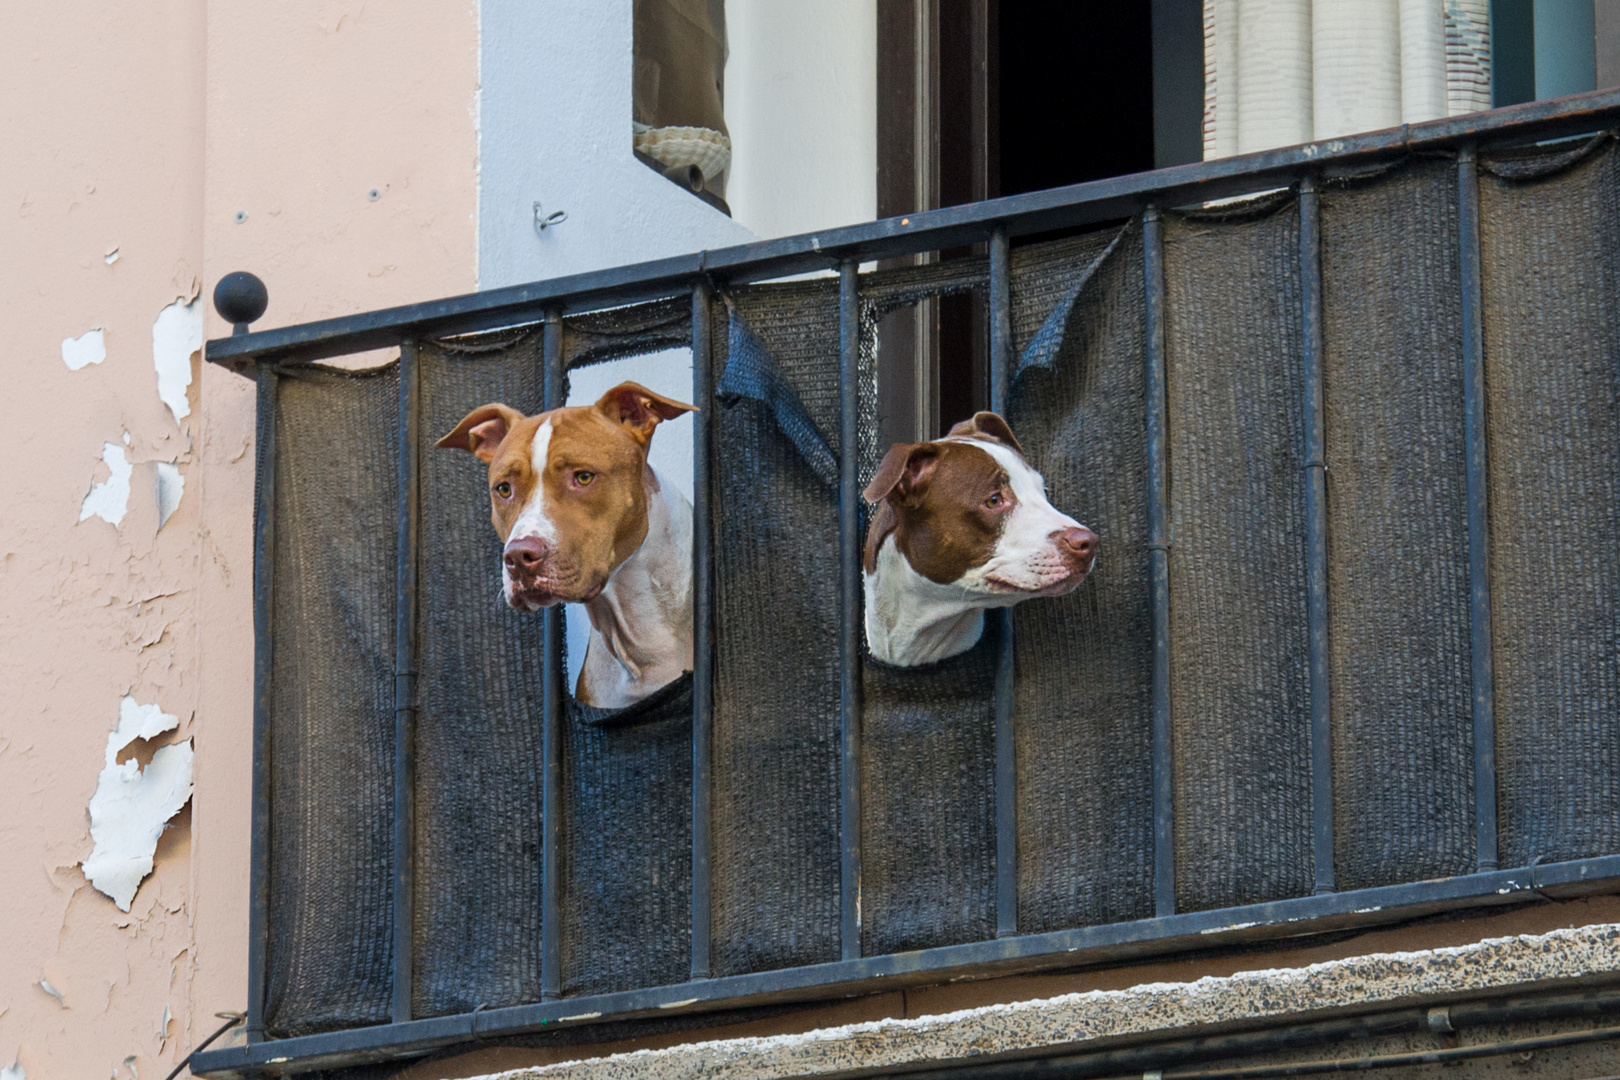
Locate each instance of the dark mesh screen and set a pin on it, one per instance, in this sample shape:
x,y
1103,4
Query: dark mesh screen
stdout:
x,y
627,843
1397,528
1240,703
1400,649
478,754
1085,796
330,956
1551,251
928,756
775,796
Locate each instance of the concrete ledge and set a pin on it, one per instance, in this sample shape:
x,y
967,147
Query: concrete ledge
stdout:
x,y
1152,1010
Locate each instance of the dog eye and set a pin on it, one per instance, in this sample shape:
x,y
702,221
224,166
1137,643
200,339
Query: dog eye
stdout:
x,y
994,502
584,477
503,489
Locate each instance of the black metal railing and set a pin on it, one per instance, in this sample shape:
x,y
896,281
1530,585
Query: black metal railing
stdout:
x,y
995,223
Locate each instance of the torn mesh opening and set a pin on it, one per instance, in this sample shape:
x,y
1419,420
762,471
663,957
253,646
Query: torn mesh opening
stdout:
x,y
882,293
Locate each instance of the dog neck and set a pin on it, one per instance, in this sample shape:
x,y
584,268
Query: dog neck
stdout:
x,y
911,620
641,621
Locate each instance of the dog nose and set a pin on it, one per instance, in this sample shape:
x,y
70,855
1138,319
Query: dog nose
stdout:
x,y
524,556
1081,541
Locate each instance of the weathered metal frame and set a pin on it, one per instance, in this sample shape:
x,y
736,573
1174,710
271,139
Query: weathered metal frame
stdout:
x,y
994,222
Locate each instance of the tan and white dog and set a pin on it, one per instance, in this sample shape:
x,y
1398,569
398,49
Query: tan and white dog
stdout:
x,y
963,526
586,520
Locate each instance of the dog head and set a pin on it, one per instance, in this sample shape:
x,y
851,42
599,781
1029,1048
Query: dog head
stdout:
x,y
968,510
567,489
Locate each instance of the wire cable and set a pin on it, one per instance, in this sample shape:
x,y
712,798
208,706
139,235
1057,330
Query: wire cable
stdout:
x,y
231,1020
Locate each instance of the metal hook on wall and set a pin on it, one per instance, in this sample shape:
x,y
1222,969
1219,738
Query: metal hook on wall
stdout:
x,y
543,221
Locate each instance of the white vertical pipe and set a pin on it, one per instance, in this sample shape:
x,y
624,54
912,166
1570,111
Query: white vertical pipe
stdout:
x,y
1423,60
1356,50
1274,63
1220,78
1468,56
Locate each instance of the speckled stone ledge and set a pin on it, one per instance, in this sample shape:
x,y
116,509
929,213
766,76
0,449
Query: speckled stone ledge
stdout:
x,y
1158,1009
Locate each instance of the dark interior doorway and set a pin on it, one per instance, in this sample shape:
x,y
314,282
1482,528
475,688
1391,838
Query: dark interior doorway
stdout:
x,y
977,99
1076,92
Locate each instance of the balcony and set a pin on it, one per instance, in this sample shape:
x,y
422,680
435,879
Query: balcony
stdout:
x,y
1346,418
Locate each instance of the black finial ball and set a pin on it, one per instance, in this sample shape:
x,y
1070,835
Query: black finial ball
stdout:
x,y
240,298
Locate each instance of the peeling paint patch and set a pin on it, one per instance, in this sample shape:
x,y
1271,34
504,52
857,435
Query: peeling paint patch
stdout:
x,y
88,348
170,486
109,500
111,256
132,806
14,1071
45,985
176,334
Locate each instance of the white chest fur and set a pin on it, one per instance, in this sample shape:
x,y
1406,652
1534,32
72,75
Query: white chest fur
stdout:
x,y
911,620
641,621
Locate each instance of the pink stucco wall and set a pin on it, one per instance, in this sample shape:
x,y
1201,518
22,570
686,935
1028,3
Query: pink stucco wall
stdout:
x,y
145,128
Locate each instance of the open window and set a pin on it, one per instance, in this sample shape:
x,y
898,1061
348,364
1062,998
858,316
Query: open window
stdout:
x,y
679,119
976,100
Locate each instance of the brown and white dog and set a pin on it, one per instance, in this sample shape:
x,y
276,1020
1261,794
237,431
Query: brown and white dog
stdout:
x,y
963,525
587,521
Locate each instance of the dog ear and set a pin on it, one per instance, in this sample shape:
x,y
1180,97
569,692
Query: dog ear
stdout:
x,y
991,426
639,409
482,430
905,470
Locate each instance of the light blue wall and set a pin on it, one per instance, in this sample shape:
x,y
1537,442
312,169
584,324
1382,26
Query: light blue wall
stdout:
x,y
554,127
1565,46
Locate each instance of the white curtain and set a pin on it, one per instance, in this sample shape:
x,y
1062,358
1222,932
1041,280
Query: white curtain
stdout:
x,y
1281,72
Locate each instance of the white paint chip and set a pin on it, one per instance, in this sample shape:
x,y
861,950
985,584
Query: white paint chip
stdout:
x,y
45,985
129,1063
132,806
111,256
163,1026
176,334
88,348
14,1071
109,500
170,486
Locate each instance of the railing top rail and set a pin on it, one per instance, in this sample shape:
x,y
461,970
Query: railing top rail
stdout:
x,y
1042,211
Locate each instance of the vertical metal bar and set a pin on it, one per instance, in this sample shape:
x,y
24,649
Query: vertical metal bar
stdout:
x,y
1001,619
264,553
1479,556
551,732
849,609
1164,857
410,412
1316,595
702,620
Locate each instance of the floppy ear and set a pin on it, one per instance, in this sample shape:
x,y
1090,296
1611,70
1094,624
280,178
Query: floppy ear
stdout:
x,y
905,470
639,409
482,430
991,426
